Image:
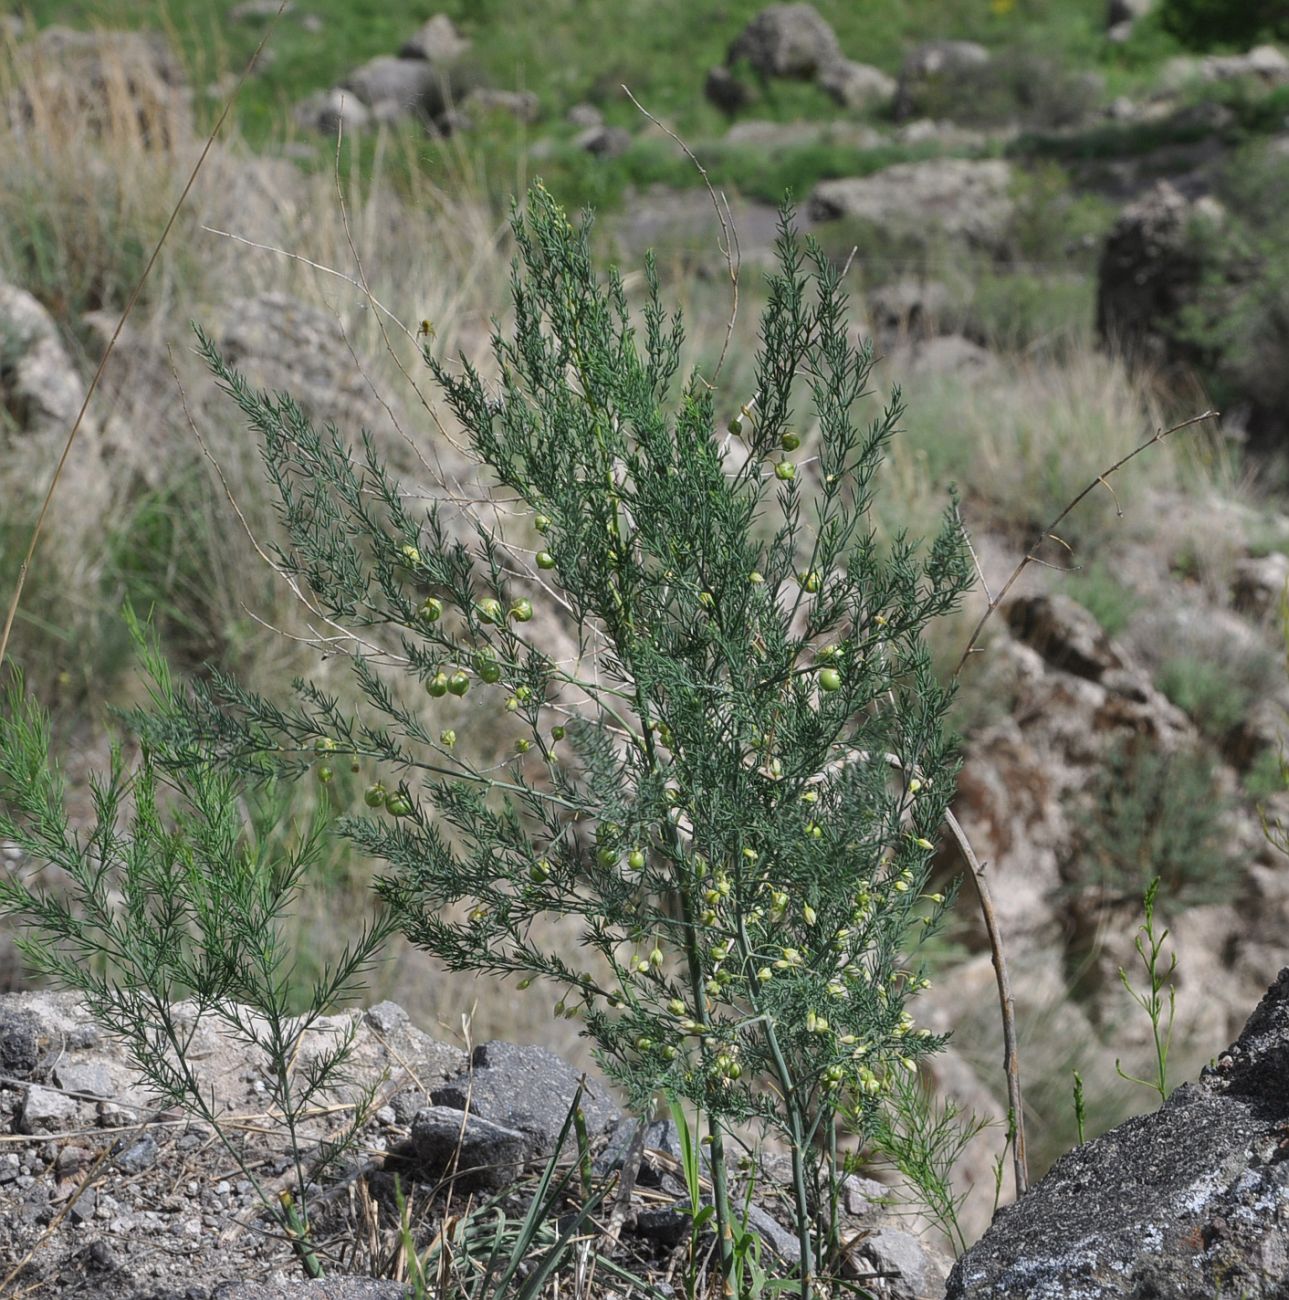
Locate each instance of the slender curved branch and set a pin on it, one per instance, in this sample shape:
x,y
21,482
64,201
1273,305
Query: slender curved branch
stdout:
x,y
1031,555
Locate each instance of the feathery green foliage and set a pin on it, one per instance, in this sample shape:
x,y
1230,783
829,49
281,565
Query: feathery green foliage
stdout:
x,y
755,765
174,920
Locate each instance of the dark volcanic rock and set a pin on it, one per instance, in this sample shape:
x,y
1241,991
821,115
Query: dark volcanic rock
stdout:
x,y
19,1050
476,1152
526,1088
1190,1201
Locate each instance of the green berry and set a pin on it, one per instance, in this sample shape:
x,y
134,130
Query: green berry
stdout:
x,y
812,582
489,610
830,680
558,733
437,686
324,745
522,610
325,775
458,683
397,805
636,860
489,671
374,796
790,441
545,560
431,609
735,426
756,578
542,523
785,470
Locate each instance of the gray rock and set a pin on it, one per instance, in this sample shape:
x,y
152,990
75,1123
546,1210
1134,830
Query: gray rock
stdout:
x,y
665,1225
406,1104
394,88
946,354
1264,63
1258,584
40,390
46,1111
863,1196
386,1017
1187,1201
477,1152
908,1269
584,116
1150,270
529,1089
660,1136
957,197
856,85
19,1043
91,1079
87,77
1065,634
604,141
330,110
283,345
786,40
139,1155
522,105
725,90
773,1234
437,40
932,71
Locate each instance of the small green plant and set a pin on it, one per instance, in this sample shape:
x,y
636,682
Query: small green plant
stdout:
x,y
1155,814
1216,695
1080,1106
1159,979
174,894
1103,596
733,784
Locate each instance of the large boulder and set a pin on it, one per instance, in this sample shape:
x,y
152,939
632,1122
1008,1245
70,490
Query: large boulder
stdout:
x,y
105,82
956,197
856,85
788,40
40,389
1150,270
932,71
1185,1202
282,344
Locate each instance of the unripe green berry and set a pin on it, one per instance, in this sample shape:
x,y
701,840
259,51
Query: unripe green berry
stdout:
x,y
790,441
437,686
397,805
458,683
489,610
374,795
785,471
522,610
558,733
325,775
830,680
812,582
431,609
542,523
545,560
636,860
756,578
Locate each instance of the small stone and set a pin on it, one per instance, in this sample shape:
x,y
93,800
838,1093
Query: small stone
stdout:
x,y
139,1155
386,1017
45,1111
19,1050
71,1158
89,1079
386,1116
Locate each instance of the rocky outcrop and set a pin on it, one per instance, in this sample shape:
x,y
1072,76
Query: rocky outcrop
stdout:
x,y
786,40
104,81
431,80
281,344
1150,270
1189,1201
40,389
931,73
1264,64
957,198
792,41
